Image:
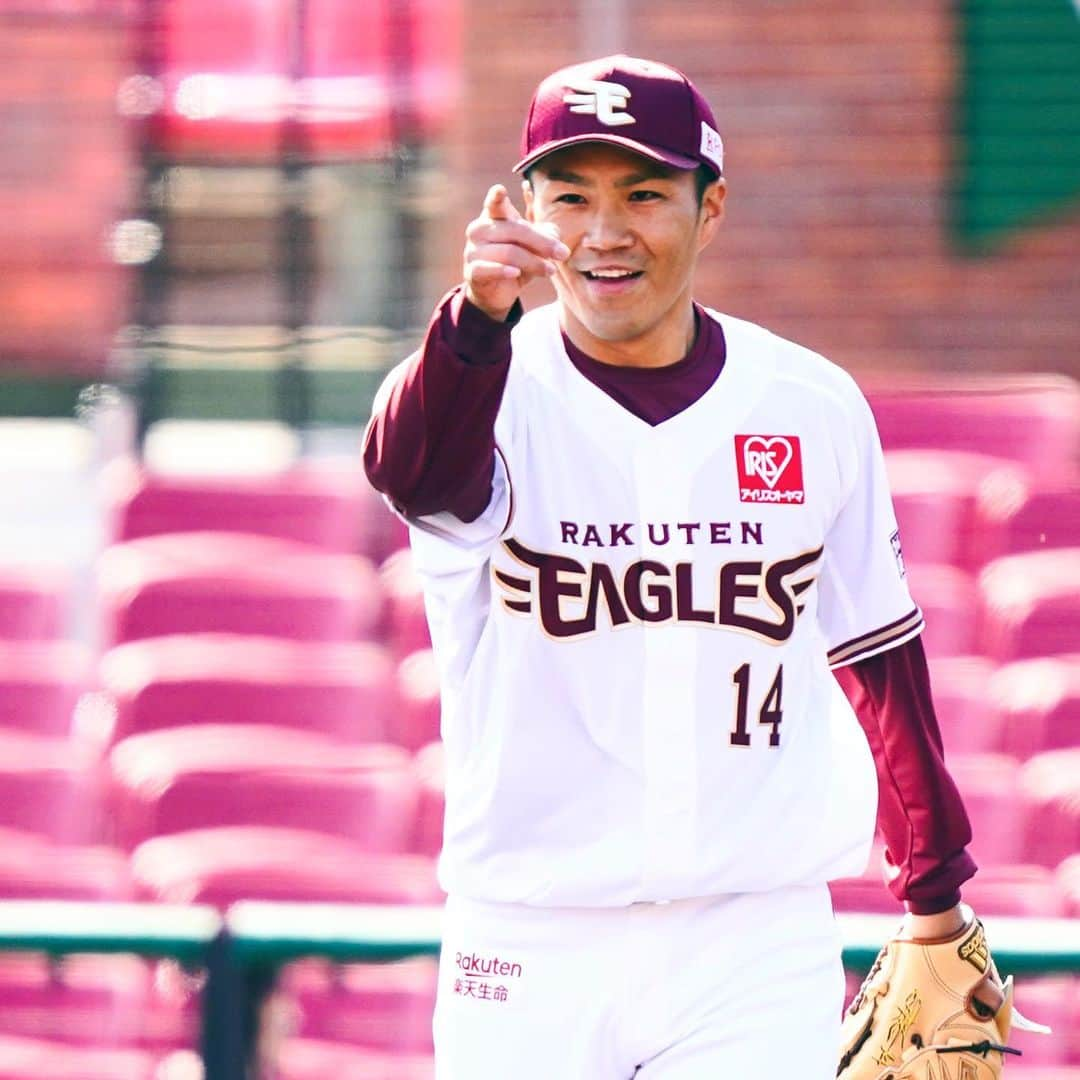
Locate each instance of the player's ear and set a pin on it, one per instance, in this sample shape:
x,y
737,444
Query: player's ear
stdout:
x,y
712,211
528,195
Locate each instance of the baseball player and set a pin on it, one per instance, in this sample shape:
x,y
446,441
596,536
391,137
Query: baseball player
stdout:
x,y
647,530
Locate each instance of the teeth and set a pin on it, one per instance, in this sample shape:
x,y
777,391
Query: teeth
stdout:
x,y
611,273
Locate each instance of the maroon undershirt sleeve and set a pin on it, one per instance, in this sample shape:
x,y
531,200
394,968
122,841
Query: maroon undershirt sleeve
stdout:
x,y
920,813
431,447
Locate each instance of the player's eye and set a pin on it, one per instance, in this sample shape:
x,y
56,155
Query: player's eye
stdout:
x,y
570,198
645,195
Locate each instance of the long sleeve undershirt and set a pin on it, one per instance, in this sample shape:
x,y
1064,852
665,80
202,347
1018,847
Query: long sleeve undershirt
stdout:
x,y
431,448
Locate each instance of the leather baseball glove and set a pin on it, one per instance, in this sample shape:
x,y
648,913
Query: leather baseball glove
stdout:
x,y
931,1010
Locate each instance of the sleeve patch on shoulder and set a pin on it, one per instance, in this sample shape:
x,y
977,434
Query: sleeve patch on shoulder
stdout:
x,y
898,553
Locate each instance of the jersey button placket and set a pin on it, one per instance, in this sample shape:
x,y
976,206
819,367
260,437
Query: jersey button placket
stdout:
x,y
668,686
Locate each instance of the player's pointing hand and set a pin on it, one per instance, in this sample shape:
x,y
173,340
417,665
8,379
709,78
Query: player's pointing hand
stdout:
x,y
504,252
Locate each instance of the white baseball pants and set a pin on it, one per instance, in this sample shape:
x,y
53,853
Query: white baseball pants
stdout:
x,y
742,987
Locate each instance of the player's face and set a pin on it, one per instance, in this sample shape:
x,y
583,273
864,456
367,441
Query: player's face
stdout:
x,y
635,230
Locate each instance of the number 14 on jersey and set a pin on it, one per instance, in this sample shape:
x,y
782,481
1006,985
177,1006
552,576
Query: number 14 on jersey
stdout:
x,y
769,714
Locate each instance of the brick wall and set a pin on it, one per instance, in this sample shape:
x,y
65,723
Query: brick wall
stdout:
x,y
836,117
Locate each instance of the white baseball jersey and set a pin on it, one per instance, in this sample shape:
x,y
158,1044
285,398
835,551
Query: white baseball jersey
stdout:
x,y
634,639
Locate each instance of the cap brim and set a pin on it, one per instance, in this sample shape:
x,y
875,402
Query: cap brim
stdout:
x,y
665,157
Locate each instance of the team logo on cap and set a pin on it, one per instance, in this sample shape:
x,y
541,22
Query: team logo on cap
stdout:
x,y
604,100
770,469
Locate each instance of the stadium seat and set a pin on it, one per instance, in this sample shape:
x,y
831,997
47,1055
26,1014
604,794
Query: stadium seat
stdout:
x,y
39,1059
237,583
969,721
316,505
315,1059
416,721
78,999
407,627
344,689
384,1006
1050,1001
1040,413
1049,789
208,775
988,784
41,683
431,773
62,872
1038,702
934,493
1031,518
1068,877
51,786
33,602
949,600
222,866
1020,889
1031,605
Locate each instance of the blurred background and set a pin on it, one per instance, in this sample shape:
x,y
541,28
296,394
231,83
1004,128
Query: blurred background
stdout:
x,y
220,224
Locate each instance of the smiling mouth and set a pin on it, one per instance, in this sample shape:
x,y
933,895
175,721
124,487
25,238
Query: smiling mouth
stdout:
x,y
612,275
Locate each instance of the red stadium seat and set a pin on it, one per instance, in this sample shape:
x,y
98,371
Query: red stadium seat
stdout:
x,y
385,1006
317,505
968,719
949,600
78,999
1038,702
406,618
51,786
237,583
1031,605
1050,801
63,872
416,721
38,1059
431,771
344,689
314,1059
1032,518
208,775
934,493
222,866
41,683
989,786
1050,1001
1040,413
33,602
1068,877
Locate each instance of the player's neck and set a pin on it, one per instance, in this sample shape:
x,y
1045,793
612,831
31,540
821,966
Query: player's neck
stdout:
x,y
661,345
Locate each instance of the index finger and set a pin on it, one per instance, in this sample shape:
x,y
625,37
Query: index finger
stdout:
x,y
497,205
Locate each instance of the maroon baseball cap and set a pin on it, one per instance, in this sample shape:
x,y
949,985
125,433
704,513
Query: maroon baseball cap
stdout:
x,y
641,105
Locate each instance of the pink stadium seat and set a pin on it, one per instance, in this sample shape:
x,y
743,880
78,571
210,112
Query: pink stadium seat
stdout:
x,y
41,683
431,771
1049,788
406,618
949,600
382,531
934,493
968,719
63,872
237,583
1039,413
318,505
385,1006
344,689
1048,1001
51,786
222,866
1068,877
1020,889
313,1059
95,1000
1038,702
416,721
989,786
1029,519
38,1059
1031,605
207,775
33,602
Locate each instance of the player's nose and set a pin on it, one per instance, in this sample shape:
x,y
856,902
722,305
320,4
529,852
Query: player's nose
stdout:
x,y
607,230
